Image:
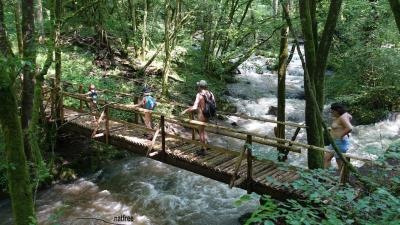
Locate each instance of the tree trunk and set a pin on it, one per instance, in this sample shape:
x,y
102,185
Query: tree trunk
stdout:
x,y
167,60
177,19
283,57
144,31
18,178
132,9
245,13
226,42
206,45
316,58
313,14
323,50
57,53
275,7
17,15
315,159
395,5
39,17
28,32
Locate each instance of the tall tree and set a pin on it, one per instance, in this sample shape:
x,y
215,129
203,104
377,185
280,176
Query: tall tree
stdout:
x,y
167,40
275,7
17,173
316,58
395,5
39,18
29,58
17,17
57,54
283,58
144,31
132,10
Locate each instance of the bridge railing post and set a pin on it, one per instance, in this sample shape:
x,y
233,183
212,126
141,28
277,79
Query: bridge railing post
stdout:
x,y
162,126
249,164
193,129
107,114
80,100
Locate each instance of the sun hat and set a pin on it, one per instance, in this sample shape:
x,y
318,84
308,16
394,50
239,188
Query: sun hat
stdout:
x,y
202,83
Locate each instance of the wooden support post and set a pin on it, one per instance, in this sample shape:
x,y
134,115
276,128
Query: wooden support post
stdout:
x,y
80,101
136,115
162,126
61,107
107,114
193,129
344,173
249,165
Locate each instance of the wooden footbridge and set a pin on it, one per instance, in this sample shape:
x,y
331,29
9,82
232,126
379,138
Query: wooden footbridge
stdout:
x,y
236,168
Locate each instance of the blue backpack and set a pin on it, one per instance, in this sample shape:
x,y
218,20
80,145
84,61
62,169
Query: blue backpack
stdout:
x,y
149,102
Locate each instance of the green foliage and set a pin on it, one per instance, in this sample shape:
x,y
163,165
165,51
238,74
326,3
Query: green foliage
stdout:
x,y
371,104
326,203
365,61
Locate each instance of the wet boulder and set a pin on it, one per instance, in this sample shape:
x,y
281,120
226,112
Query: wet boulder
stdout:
x,y
273,110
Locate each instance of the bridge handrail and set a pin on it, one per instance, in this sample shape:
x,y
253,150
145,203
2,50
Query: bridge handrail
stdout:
x,y
262,139
190,123
241,115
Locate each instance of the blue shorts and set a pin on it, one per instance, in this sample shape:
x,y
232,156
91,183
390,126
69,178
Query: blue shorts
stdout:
x,y
343,145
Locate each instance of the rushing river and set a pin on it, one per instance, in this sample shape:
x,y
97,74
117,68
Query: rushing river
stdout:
x,y
154,193
255,92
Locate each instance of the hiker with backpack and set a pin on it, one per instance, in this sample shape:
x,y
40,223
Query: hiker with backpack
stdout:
x,y
205,107
148,102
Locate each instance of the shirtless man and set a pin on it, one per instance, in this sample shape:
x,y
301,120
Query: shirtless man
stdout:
x,y
340,129
198,106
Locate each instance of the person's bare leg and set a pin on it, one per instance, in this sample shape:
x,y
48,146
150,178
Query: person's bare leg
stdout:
x,y
327,159
147,120
201,134
205,134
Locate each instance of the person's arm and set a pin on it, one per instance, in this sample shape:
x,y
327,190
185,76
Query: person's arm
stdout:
x,y
347,127
140,104
195,105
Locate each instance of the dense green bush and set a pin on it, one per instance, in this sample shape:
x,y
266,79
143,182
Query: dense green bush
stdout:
x,y
365,59
327,203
